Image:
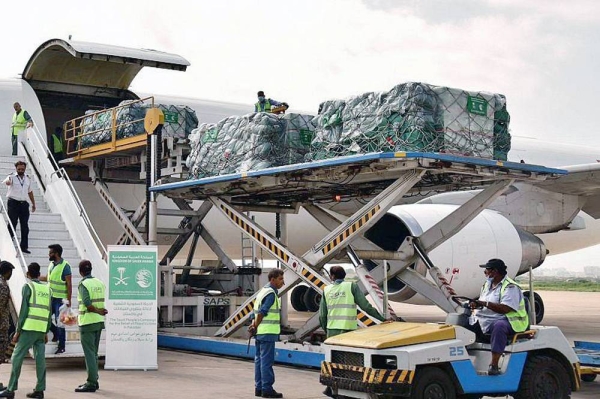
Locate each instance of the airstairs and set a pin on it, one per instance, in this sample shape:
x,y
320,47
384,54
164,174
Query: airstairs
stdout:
x,y
60,218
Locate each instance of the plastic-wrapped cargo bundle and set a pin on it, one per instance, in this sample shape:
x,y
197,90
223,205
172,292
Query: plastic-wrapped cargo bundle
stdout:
x,y
180,120
96,128
294,142
130,119
414,117
468,119
501,134
328,130
362,124
250,142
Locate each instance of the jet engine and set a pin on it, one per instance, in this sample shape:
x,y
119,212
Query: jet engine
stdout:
x,y
489,235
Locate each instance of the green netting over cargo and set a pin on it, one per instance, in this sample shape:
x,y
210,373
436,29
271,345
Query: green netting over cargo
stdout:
x,y
250,142
97,128
413,117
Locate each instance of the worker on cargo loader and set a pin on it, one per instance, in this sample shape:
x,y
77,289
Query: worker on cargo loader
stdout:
x,y
337,312
266,325
503,312
20,121
266,104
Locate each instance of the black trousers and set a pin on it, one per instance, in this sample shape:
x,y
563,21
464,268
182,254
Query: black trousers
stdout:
x,y
18,211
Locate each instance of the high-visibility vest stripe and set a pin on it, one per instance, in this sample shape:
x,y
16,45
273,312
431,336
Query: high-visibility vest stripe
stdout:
x,y
18,122
341,308
271,322
519,320
58,286
39,308
96,290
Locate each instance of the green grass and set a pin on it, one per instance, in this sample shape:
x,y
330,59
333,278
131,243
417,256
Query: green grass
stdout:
x,y
574,284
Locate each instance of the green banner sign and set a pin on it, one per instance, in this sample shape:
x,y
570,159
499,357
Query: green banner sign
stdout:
x,y
171,117
477,105
133,275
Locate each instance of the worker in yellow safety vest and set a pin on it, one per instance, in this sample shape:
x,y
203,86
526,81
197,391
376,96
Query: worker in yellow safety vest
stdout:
x,y
503,311
91,297
266,325
34,324
60,279
20,121
57,144
266,104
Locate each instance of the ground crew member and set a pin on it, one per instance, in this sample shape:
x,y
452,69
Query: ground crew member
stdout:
x,y
503,312
59,278
6,269
337,311
19,190
266,325
20,121
91,296
265,104
34,324
57,145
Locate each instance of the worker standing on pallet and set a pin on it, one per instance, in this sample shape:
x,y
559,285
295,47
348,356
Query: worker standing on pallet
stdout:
x,y
337,311
266,325
267,104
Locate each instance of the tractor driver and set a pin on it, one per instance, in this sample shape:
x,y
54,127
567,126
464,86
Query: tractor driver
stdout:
x,y
503,313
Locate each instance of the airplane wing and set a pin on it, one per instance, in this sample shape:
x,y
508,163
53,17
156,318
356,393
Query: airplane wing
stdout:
x,y
582,180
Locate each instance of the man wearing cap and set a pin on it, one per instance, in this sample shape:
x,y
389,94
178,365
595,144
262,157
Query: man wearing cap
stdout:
x,y
265,104
503,310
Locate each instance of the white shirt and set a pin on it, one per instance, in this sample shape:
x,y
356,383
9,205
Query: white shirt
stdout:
x,y
19,188
511,298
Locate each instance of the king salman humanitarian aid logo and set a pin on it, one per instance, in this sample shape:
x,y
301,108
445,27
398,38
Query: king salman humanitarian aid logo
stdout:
x,y
143,278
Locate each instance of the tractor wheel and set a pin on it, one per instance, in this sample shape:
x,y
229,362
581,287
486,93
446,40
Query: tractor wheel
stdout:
x,y
432,383
544,377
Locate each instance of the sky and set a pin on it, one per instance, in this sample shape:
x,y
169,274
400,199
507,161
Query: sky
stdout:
x,y
543,55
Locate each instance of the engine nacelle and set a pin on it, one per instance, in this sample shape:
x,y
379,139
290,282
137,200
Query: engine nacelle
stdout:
x,y
489,235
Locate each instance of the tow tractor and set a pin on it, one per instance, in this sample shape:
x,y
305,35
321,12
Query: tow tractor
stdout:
x,y
426,361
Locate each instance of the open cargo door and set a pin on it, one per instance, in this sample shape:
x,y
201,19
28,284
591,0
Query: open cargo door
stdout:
x,y
70,77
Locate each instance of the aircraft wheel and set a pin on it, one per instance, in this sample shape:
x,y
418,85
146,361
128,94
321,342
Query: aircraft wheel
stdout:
x,y
312,300
544,377
432,383
297,298
588,377
538,306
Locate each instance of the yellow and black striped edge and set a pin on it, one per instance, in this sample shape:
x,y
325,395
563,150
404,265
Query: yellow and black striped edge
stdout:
x,y
264,240
364,319
240,315
313,278
370,375
350,230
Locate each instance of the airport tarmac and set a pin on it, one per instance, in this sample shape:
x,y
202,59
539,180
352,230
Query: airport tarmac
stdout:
x,y
200,376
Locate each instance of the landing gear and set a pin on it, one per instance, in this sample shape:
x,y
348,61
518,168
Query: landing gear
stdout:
x,y
305,299
538,306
